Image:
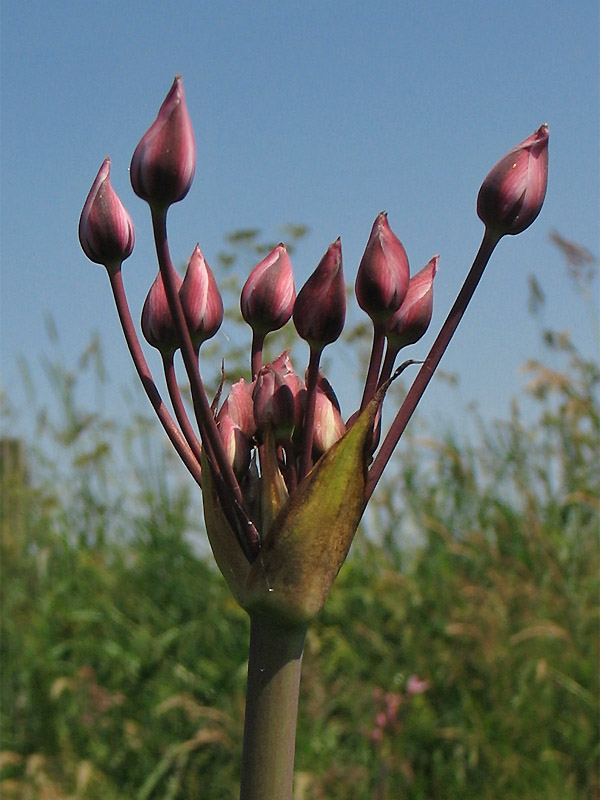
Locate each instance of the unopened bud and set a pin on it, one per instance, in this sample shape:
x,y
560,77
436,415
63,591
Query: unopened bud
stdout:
x,y
284,368
274,404
235,443
512,194
164,162
200,299
412,319
383,274
320,308
158,326
268,296
240,408
328,426
105,228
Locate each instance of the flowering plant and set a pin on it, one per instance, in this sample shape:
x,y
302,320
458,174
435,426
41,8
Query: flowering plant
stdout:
x,y
284,479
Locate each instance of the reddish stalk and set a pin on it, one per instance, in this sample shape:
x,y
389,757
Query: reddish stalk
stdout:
x,y
489,242
246,530
309,416
258,340
388,364
374,364
178,407
143,370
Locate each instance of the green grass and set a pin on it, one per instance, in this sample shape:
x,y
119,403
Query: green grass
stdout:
x,y
124,656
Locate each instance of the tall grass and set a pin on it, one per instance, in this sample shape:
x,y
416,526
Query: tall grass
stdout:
x,y
463,667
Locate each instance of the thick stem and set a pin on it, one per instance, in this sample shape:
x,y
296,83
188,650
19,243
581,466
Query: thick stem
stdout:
x,y
271,709
486,248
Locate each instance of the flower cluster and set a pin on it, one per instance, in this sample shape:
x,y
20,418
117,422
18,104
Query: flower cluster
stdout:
x,y
282,474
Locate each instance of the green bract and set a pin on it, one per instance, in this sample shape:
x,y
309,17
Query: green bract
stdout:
x,y
306,544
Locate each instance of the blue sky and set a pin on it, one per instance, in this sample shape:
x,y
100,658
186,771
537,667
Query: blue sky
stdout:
x,y
322,113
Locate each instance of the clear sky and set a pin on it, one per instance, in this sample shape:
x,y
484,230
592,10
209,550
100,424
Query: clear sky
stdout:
x,y
322,113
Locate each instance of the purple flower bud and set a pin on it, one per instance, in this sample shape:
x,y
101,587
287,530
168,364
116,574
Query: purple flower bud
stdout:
x,y
329,425
274,404
200,299
237,445
105,228
164,162
240,408
324,386
512,195
268,296
320,308
157,323
383,274
283,366
412,319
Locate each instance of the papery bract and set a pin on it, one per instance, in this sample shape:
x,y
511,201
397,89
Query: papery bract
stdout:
x,y
200,299
158,326
320,308
383,273
412,319
164,162
513,192
106,231
268,296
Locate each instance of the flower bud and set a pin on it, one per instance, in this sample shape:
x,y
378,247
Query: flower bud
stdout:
x,y
328,426
383,274
268,296
236,444
512,195
320,308
105,228
284,368
412,319
239,407
158,326
164,162
274,404
200,299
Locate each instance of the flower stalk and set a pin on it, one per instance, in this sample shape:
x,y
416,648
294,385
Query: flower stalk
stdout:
x,y
178,441
488,244
274,668
217,458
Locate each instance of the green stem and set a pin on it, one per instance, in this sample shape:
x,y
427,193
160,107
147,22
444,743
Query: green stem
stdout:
x,y
271,709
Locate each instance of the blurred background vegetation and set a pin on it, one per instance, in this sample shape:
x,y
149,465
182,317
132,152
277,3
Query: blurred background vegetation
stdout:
x,y
461,665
